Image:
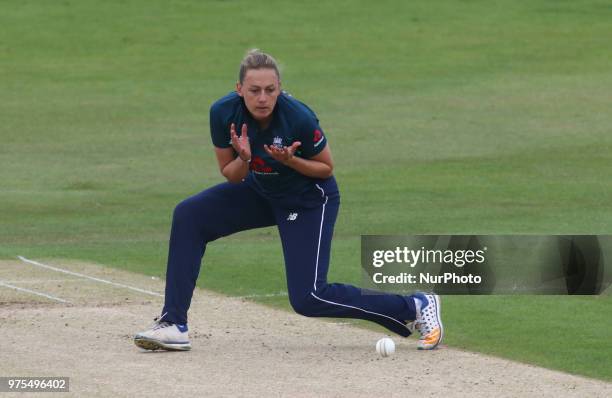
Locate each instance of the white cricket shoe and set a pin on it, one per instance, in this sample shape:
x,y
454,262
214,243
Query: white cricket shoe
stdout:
x,y
164,336
428,321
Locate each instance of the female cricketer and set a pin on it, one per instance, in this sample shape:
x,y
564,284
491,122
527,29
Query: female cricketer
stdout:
x,y
279,170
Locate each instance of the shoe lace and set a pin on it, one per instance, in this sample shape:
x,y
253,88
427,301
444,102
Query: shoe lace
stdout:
x,y
423,328
425,323
159,324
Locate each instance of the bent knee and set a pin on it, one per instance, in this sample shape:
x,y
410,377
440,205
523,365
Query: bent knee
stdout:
x,y
306,305
183,211
189,217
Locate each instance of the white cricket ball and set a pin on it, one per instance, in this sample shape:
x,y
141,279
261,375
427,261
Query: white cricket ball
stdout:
x,y
385,347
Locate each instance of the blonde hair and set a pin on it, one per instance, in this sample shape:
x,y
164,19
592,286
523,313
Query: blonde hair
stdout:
x,y
256,59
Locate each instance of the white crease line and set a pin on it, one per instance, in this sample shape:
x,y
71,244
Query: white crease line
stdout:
x,y
88,277
36,281
34,292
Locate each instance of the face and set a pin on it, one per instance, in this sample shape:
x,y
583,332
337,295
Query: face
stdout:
x,y
260,90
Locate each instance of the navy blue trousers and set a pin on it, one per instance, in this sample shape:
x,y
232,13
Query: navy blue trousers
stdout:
x,y
305,227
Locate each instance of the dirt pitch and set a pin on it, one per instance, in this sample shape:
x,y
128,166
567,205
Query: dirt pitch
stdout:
x,y
239,348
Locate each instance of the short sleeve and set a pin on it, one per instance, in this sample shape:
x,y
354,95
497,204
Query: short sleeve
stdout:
x,y
312,137
218,131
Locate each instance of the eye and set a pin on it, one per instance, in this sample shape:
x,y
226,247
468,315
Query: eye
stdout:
x,y
269,90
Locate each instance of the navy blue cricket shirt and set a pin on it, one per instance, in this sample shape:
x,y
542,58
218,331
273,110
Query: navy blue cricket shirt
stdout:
x,y
292,121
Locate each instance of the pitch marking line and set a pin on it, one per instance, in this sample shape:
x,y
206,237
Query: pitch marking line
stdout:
x,y
65,271
34,292
39,281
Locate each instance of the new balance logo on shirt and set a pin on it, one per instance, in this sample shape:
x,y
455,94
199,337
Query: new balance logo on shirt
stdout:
x,y
292,216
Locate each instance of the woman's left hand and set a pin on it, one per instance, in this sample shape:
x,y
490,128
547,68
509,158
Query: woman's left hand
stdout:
x,y
283,154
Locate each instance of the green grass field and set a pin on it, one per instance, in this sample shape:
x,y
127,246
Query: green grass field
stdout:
x,y
474,117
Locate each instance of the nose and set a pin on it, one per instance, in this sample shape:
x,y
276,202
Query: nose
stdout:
x,y
261,97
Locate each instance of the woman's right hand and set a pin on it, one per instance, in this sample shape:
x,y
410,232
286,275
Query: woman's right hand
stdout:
x,y
241,144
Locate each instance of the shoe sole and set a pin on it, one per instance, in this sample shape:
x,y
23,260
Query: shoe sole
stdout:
x,y
437,304
152,345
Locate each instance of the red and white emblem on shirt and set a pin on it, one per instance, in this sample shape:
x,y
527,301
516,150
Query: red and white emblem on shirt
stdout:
x,y
317,137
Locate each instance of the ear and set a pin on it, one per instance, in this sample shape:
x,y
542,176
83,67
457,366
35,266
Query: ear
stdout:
x,y
239,88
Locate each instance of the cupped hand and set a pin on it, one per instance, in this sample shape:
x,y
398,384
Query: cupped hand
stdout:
x,y
282,154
